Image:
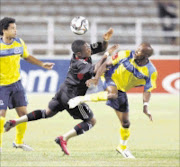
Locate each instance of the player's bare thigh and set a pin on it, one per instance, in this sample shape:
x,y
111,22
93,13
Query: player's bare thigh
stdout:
x,y
21,111
2,113
112,92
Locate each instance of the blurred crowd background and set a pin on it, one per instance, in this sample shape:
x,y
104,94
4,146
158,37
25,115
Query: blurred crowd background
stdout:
x,y
45,24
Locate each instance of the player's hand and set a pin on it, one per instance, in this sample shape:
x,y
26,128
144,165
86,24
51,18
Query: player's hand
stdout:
x,y
108,34
92,82
113,48
145,110
47,65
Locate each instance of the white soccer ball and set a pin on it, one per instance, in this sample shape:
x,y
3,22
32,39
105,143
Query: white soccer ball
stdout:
x,y
79,25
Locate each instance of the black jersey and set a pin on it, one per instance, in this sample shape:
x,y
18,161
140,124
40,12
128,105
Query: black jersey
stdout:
x,y
80,71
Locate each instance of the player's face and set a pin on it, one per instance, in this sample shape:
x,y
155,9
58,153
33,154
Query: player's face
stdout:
x,y
11,31
140,56
86,50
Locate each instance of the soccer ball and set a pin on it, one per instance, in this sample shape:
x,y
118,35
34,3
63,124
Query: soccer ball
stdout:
x,y
79,25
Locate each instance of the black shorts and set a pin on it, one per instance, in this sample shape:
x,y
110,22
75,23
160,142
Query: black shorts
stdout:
x,y
59,103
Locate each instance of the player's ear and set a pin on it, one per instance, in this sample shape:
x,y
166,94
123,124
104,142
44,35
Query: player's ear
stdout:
x,y
78,54
147,56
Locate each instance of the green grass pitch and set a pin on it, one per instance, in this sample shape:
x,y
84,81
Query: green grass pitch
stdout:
x,y
154,144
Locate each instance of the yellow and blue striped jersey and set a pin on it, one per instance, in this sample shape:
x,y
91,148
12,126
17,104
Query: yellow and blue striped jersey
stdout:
x,y
10,55
126,74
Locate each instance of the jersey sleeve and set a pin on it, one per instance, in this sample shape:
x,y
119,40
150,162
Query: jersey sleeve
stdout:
x,y
96,47
151,82
85,67
25,51
119,56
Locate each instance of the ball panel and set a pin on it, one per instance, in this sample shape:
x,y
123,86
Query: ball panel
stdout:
x,y
79,25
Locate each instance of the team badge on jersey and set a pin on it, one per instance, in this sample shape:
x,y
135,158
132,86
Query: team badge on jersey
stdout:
x,y
94,45
1,103
17,50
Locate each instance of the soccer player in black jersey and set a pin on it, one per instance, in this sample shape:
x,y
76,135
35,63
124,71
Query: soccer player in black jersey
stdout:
x,y
80,70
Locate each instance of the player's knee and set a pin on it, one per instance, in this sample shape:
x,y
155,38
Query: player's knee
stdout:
x,y
47,113
126,124
93,121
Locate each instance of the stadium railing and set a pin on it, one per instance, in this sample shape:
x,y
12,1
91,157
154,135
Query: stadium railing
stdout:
x,y
52,36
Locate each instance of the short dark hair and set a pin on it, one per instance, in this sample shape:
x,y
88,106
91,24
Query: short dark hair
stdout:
x,y
77,46
4,23
149,50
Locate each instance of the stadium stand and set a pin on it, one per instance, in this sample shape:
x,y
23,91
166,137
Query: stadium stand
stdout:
x,y
79,7
44,24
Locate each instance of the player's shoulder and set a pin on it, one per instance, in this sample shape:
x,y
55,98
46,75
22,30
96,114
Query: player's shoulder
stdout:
x,y
123,54
151,67
79,62
19,40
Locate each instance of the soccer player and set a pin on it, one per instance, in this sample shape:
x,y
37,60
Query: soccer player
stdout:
x,y
80,70
127,69
12,94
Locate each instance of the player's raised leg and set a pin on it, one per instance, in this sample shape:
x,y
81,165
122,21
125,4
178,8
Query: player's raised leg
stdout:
x,y
21,122
32,116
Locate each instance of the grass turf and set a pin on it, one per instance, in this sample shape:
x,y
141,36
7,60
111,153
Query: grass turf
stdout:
x,y
154,144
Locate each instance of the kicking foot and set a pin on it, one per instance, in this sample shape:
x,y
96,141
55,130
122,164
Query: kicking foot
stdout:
x,y
75,101
63,144
125,153
23,147
9,124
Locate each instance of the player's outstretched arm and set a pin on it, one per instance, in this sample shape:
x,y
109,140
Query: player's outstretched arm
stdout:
x,y
33,60
146,99
106,37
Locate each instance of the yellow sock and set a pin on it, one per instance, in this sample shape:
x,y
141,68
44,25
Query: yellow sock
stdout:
x,y
124,134
20,131
2,120
100,96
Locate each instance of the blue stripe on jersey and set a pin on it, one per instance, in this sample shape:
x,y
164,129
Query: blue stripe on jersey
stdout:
x,y
112,69
11,52
151,69
133,70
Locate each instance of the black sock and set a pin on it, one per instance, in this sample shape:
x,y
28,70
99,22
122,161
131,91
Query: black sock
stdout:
x,y
37,114
82,127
